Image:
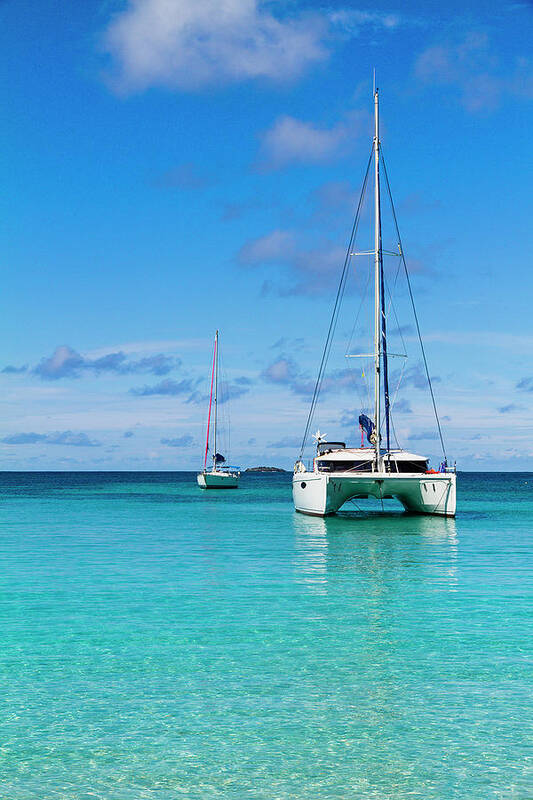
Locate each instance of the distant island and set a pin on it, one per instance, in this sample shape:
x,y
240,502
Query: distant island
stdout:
x,y
265,469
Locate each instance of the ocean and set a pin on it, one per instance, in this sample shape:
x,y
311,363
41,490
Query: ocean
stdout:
x,y
160,641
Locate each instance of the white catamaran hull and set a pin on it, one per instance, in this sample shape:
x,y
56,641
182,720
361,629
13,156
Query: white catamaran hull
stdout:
x,y
218,480
319,494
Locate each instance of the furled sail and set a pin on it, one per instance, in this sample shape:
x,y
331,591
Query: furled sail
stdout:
x,y
368,426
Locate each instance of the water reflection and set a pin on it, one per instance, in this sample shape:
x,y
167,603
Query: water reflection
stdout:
x,y
380,547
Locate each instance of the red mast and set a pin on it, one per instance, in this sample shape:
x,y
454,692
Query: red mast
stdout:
x,y
210,399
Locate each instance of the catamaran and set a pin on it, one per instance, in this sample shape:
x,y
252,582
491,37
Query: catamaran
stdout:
x,y
339,473
218,477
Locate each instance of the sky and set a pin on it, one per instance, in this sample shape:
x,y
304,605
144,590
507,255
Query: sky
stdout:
x,y
172,167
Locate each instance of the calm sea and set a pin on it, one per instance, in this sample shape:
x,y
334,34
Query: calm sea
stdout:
x,y
162,642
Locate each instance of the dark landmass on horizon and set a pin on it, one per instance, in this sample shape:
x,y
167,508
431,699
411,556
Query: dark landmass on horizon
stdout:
x,y
265,469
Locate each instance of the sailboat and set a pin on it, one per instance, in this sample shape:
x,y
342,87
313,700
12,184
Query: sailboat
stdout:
x,y
218,476
339,473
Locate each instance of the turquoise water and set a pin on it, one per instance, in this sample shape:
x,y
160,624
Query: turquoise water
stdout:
x,y
163,642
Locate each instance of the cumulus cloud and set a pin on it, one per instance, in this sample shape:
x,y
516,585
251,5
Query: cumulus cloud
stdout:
x,y
471,68
294,141
422,436
284,371
352,20
188,44
273,247
313,269
12,370
68,438
414,376
350,417
284,342
231,391
402,406
166,387
509,408
67,363
525,384
179,441
228,390
402,330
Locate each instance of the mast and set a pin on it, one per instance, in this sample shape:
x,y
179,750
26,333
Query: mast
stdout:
x,y
216,403
210,401
377,287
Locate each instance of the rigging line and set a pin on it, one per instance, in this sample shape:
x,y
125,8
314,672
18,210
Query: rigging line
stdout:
x,y
364,393
399,326
390,293
210,403
225,403
384,354
414,309
394,401
363,298
336,308
403,350
394,433
383,320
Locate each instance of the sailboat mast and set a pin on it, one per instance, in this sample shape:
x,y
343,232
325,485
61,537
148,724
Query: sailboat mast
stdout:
x,y
377,285
210,404
216,403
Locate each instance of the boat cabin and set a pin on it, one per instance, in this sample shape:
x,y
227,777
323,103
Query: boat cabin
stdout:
x,y
335,457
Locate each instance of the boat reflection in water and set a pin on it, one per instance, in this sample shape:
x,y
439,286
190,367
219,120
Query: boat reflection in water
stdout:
x,y
387,549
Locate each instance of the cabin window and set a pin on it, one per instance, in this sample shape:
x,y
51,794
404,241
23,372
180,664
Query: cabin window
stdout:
x,y
328,447
409,466
344,466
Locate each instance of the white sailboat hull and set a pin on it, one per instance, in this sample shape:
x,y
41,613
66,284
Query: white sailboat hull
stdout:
x,y
218,480
321,494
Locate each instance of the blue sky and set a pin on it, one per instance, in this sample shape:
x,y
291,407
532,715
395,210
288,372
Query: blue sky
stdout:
x,y
170,167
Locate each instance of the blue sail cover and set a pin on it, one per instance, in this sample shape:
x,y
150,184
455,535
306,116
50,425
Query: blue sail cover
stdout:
x,y
367,425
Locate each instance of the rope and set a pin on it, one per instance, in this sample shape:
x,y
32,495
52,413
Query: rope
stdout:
x,y
336,309
414,309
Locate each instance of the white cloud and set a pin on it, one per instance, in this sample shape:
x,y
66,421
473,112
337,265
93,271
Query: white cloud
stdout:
x,y
275,246
315,268
186,44
292,140
351,20
471,68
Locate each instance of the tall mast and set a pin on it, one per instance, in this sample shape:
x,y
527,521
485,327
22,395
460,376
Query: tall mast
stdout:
x,y
377,286
216,403
210,404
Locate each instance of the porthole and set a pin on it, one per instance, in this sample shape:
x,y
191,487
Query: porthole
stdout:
x,y
303,484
